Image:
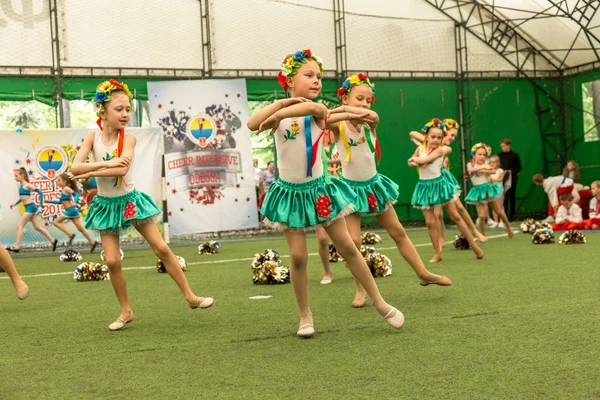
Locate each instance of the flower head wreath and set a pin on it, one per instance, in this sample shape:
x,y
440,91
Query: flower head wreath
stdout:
x,y
481,145
293,63
434,123
102,96
355,80
451,124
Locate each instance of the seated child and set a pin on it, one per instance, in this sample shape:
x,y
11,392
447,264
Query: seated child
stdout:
x,y
568,215
554,186
594,221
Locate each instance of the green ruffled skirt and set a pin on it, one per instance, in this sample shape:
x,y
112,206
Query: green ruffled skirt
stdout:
x,y
482,193
115,214
375,195
290,205
447,175
433,192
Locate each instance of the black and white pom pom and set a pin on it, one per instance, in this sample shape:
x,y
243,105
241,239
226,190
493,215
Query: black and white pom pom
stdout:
x,y
102,257
267,269
461,243
160,266
527,225
91,271
334,256
70,255
572,237
370,238
211,247
543,236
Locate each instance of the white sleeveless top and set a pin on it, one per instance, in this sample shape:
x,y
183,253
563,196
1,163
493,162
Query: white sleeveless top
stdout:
x,y
107,185
479,179
432,170
290,142
361,166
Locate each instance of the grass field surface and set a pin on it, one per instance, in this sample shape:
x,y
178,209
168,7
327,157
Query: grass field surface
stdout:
x,y
522,323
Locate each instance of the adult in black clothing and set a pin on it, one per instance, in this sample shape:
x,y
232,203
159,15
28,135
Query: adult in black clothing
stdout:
x,y
510,161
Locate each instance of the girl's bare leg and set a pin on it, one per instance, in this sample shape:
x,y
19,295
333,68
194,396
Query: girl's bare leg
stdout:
x,y
499,209
464,214
296,241
323,248
433,229
112,257
462,227
8,266
353,226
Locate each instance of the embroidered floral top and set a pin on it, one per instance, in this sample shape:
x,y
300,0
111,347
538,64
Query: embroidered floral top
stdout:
x,y
432,170
290,142
361,166
109,185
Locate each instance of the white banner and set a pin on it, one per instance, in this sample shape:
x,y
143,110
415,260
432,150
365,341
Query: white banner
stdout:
x,y
46,154
208,155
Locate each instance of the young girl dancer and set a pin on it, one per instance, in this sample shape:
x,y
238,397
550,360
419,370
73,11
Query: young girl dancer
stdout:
x,y
31,210
497,179
359,149
9,267
451,132
118,204
303,196
434,191
483,192
68,199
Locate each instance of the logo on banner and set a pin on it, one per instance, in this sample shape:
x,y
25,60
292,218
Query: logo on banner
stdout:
x,y
52,161
201,130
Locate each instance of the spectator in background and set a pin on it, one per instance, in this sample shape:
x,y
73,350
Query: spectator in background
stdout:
x,y
269,175
258,177
572,171
510,161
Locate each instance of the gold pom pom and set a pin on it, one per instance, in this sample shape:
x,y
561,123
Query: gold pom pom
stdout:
x,y
160,266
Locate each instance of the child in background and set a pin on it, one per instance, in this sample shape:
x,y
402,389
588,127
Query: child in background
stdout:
x,y
594,221
568,215
554,186
497,179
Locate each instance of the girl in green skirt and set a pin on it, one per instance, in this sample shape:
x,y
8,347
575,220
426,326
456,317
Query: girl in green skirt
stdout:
x,y
434,191
118,204
358,147
483,191
305,195
452,130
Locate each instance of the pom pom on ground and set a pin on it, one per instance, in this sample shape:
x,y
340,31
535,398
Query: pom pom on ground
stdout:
x,y
160,266
267,269
572,237
70,255
370,238
334,256
461,243
211,247
528,225
102,254
543,236
91,271
379,264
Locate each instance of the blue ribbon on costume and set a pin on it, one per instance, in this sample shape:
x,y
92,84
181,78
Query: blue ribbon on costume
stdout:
x,y
309,145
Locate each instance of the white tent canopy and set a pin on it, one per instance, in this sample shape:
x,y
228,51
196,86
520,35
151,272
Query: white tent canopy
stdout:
x,y
246,38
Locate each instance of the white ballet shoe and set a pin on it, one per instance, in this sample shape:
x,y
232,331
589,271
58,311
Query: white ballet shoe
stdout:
x,y
120,323
306,331
326,281
395,318
201,302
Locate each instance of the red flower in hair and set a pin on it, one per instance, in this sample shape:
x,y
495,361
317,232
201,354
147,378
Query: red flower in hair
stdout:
x,y
117,84
362,76
281,79
308,53
436,121
373,100
341,92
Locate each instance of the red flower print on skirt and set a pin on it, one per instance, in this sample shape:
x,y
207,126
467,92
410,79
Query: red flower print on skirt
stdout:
x,y
130,211
322,206
372,199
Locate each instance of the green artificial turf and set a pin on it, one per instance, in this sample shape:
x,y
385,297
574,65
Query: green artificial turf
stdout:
x,y
522,323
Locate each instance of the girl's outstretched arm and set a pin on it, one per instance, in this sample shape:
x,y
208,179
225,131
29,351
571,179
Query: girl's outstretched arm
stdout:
x,y
316,110
439,152
417,138
80,167
370,116
119,170
261,115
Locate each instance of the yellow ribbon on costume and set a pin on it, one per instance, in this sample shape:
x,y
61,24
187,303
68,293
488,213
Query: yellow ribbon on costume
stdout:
x,y
345,142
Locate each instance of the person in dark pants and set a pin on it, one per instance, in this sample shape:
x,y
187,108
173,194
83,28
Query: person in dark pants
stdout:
x,y
510,161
